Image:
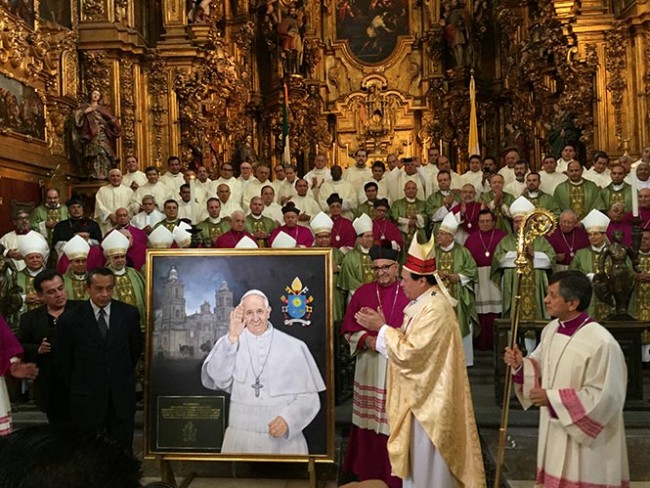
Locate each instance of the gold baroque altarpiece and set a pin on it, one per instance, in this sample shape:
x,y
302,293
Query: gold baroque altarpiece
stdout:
x,y
196,77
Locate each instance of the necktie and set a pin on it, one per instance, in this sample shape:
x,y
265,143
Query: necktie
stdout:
x,y
101,323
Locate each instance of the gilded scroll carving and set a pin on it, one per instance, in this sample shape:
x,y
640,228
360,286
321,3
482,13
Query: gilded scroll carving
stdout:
x,y
58,112
646,76
93,9
96,72
127,101
157,84
212,101
615,66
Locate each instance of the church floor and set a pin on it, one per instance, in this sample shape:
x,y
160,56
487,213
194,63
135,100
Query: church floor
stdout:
x,y
519,465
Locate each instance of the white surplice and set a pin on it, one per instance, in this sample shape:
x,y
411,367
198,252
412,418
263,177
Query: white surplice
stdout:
x,y
585,378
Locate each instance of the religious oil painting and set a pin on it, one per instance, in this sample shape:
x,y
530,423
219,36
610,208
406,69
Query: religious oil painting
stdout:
x,y
21,109
55,13
239,358
24,9
371,27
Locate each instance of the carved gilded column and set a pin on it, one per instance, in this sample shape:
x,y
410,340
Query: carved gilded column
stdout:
x,y
127,105
174,20
158,90
615,63
646,88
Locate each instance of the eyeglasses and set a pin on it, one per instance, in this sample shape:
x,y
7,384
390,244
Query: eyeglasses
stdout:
x,y
379,269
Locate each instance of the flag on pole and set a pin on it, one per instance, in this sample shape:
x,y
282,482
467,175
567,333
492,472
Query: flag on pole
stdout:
x,y
286,150
472,143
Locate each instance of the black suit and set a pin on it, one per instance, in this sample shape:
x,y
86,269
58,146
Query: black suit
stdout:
x,y
101,372
50,392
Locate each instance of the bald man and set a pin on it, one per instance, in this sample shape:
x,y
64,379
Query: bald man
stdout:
x,y
109,198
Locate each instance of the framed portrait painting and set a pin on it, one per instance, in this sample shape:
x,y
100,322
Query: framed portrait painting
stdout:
x,y
239,357
371,28
23,9
21,109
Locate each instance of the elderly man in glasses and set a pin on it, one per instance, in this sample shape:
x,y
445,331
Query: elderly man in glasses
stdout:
x,y
367,456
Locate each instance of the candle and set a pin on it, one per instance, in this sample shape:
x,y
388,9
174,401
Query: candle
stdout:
x,y
635,195
192,198
440,146
425,152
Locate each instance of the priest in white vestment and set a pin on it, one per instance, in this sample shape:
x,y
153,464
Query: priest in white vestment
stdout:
x,y
272,378
109,198
578,377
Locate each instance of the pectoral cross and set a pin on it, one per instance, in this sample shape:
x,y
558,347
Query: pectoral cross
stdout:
x,y
257,386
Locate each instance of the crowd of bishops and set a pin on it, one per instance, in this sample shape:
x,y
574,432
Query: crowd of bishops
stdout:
x,y
474,217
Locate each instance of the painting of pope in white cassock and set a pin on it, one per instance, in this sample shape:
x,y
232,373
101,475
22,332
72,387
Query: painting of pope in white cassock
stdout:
x,y
272,378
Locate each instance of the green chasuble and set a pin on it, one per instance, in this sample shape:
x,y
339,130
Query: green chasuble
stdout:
x,y
581,198
130,288
356,270
431,206
365,208
265,224
339,294
75,286
611,196
502,222
26,282
458,260
534,285
586,260
402,209
170,225
210,231
545,201
42,214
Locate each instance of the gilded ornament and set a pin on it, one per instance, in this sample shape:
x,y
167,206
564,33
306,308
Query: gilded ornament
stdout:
x,y
127,100
93,9
615,65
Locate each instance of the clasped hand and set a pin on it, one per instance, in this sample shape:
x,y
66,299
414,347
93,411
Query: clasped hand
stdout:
x,y
369,318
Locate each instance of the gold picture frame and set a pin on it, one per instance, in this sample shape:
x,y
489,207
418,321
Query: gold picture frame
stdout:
x,y
190,295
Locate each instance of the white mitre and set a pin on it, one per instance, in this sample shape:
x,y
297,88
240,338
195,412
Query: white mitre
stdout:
x,y
362,224
161,238
31,243
115,244
520,207
595,221
449,224
246,243
283,241
321,223
76,248
181,235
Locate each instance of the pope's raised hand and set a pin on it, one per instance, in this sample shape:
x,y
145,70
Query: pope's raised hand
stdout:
x,y
237,324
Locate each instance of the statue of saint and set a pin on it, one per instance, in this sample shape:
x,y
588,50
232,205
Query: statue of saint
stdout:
x,y
457,33
97,133
290,31
245,153
614,283
10,292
